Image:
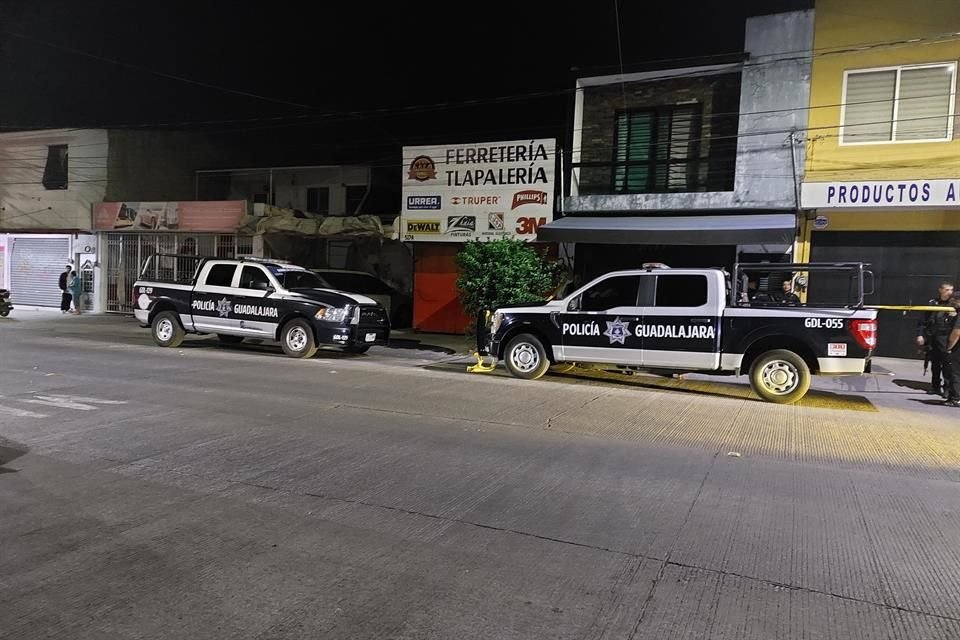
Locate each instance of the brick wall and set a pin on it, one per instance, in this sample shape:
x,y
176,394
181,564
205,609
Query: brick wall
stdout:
x,y
717,95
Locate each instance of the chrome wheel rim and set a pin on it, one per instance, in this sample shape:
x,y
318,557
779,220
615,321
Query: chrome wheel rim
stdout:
x,y
780,377
297,339
525,357
165,330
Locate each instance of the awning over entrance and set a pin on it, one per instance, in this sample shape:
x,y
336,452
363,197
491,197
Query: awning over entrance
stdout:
x,y
774,232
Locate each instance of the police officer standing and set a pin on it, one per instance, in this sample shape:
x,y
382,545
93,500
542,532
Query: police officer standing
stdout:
x,y
951,366
926,336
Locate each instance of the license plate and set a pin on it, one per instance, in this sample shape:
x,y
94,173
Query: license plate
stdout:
x,y
371,337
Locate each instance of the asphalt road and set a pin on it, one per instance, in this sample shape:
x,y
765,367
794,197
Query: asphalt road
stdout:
x,y
213,492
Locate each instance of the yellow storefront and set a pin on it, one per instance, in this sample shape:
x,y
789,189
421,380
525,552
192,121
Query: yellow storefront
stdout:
x,y
882,173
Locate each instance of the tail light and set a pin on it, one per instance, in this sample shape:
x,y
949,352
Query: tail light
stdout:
x,y
865,333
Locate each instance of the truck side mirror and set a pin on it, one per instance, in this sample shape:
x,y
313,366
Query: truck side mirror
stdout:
x,y
574,304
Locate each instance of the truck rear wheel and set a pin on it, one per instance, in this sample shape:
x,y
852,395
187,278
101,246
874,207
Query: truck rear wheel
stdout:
x,y
526,357
166,329
297,339
780,376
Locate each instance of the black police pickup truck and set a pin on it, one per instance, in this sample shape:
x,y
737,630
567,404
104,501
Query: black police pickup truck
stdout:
x,y
253,298
695,320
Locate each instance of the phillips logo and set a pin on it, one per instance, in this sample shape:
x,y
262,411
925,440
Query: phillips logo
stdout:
x,y
422,169
529,196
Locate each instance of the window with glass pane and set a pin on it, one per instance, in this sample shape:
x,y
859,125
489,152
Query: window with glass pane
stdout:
x,y
253,278
221,275
656,149
907,103
681,291
923,107
620,291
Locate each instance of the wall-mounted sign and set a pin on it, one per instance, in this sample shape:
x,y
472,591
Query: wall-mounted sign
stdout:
x,y
462,192
881,194
225,215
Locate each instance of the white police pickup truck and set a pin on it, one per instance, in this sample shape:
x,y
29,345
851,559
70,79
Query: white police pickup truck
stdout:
x,y
694,320
253,298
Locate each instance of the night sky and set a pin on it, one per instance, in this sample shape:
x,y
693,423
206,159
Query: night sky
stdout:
x,y
89,63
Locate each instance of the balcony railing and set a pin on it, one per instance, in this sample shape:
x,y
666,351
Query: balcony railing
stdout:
x,y
685,175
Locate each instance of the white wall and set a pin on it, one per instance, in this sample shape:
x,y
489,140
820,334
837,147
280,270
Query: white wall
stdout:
x,y
290,185
24,202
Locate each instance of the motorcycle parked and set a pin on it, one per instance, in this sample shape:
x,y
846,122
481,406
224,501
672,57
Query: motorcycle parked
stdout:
x,y
5,305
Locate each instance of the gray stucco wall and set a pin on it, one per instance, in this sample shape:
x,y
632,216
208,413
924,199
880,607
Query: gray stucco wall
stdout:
x,y
775,92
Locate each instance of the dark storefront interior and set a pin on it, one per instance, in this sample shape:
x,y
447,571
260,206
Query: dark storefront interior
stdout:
x,y
908,267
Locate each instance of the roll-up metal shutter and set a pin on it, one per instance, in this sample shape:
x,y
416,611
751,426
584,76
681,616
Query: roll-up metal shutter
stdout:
x,y
35,268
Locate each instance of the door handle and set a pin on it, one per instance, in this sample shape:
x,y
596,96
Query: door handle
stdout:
x,y
701,320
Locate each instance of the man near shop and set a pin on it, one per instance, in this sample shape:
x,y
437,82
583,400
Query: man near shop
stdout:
x,y
65,296
951,367
926,337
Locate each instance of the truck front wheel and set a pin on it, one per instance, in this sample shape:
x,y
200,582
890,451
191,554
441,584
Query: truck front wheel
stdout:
x,y
526,357
780,376
166,329
297,339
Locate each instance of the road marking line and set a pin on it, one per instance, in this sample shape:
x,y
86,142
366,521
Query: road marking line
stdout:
x,y
78,403
81,399
21,413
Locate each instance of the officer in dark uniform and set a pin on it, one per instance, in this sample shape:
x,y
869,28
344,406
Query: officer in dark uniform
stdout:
x,y
926,338
951,365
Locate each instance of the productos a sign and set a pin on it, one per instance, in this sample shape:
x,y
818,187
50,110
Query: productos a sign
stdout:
x,y
463,192
880,194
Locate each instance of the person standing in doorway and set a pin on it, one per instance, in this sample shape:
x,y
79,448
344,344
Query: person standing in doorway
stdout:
x,y
951,365
926,336
75,286
65,296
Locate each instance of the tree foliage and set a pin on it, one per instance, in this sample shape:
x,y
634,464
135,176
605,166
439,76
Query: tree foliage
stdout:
x,y
504,271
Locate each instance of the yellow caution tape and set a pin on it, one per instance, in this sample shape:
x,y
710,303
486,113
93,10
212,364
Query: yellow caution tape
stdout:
x,y
908,307
481,366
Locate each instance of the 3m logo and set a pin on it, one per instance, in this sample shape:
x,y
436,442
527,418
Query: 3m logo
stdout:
x,y
528,225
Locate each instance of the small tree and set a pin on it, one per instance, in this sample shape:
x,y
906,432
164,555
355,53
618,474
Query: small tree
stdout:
x,y
500,272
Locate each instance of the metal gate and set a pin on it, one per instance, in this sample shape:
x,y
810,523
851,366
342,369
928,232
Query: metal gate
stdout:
x,y
35,268
127,251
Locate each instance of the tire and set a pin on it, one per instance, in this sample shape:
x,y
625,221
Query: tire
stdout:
x,y
228,339
166,329
563,367
297,339
360,348
780,376
4,313
525,357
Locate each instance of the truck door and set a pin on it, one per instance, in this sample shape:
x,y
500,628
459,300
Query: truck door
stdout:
x,y
598,324
254,309
213,298
681,328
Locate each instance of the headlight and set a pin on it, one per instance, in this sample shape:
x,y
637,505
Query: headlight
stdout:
x,y
495,320
333,314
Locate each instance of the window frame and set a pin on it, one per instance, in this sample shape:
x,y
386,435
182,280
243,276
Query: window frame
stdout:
x,y
656,291
951,114
47,179
657,112
233,278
